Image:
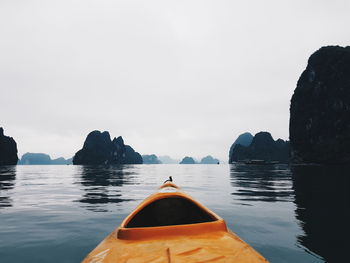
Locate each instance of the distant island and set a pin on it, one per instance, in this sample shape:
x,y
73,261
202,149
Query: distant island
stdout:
x,y
8,149
205,160
187,160
209,160
150,159
165,159
42,159
262,147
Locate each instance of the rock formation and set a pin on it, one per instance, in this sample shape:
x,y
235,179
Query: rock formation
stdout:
x,y
42,159
319,124
62,161
262,147
244,139
8,149
187,160
98,149
209,160
35,158
150,159
165,159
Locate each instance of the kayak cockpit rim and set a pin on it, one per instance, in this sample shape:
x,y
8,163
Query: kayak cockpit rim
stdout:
x,y
172,213
142,233
198,221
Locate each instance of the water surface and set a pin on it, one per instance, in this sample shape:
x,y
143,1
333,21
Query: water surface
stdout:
x,y
60,213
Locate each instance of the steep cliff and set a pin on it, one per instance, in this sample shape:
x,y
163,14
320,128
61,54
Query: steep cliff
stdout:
x,y
8,149
320,109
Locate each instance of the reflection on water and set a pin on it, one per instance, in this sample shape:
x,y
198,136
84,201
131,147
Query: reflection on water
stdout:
x,y
269,183
7,182
101,185
322,196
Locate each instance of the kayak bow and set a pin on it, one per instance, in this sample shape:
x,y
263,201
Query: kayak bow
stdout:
x,y
170,226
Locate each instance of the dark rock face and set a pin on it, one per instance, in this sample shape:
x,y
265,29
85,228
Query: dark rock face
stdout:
x,y
42,159
244,139
319,124
209,160
97,149
187,160
8,149
131,157
263,147
100,149
150,159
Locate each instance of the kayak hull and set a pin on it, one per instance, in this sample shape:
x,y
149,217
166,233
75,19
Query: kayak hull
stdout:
x,y
208,241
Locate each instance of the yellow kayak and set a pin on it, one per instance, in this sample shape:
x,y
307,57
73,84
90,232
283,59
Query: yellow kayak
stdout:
x,y
172,227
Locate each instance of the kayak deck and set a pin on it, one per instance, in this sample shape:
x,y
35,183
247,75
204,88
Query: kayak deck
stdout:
x,y
171,227
213,247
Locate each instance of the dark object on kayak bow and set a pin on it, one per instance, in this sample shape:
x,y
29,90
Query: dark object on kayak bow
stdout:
x,y
169,180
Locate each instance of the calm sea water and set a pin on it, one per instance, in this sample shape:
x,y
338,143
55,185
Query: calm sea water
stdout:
x,y
60,213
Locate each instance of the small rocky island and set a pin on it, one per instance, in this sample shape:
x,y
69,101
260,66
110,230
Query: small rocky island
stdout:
x,y
165,159
150,159
262,147
319,124
187,160
100,149
42,159
8,149
209,160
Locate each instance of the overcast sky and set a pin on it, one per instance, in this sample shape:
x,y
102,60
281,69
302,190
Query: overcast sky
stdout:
x,y
172,77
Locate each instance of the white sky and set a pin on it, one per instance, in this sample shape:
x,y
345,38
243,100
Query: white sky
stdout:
x,y
172,77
